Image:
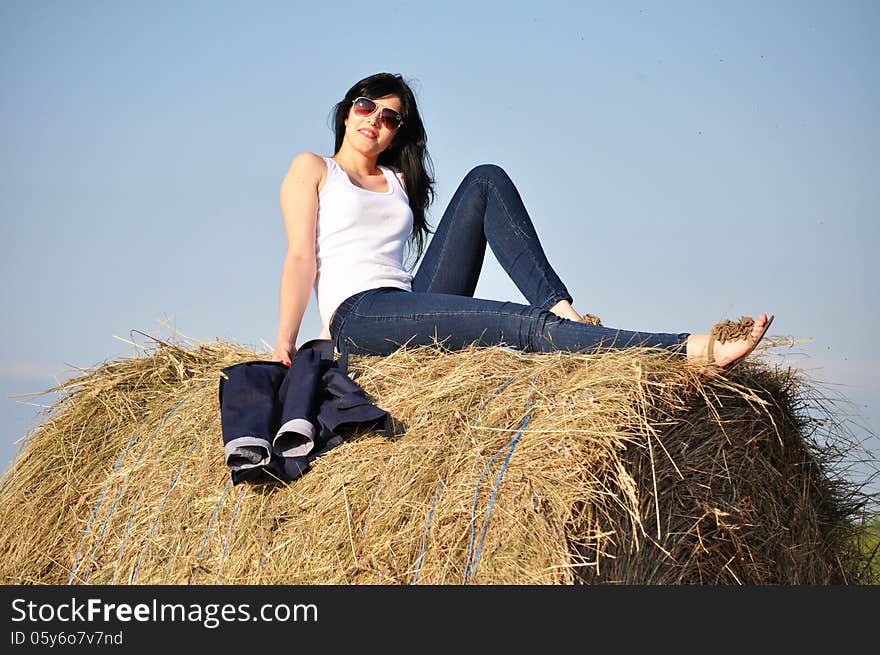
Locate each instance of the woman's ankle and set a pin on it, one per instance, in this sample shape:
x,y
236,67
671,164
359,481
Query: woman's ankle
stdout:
x,y
564,309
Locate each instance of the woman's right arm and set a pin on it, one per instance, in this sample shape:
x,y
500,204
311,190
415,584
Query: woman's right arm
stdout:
x,y
299,207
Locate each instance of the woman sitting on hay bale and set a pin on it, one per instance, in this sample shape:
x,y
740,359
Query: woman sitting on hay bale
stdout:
x,y
348,217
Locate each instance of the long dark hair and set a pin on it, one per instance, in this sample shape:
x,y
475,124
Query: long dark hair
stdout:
x,y
408,152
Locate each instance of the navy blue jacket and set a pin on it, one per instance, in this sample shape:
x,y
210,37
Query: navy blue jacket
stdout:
x,y
276,419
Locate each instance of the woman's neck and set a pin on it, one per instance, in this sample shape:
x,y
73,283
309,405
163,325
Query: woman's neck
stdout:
x,y
356,162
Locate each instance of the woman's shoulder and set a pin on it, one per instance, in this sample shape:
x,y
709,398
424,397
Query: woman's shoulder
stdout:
x,y
309,160
309,166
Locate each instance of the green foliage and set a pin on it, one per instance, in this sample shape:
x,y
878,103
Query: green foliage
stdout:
x,y
869,542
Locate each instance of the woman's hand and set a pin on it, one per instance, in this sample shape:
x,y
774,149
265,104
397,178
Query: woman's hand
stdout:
x,y
284,353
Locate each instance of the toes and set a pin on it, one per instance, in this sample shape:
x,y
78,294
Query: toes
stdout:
x,y
759,325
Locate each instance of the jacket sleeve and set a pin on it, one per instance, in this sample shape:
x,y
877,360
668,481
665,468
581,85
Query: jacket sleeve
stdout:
x,y
347,406
249,412
297,399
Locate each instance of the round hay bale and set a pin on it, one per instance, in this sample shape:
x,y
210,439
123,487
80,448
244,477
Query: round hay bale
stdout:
x,y
623,466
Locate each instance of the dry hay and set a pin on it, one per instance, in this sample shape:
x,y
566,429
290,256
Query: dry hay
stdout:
x,y
624,466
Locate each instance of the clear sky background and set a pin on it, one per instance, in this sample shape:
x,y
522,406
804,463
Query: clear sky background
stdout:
x,y
683,162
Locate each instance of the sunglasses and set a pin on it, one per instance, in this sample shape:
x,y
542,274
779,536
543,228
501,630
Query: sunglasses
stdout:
x,y
388,117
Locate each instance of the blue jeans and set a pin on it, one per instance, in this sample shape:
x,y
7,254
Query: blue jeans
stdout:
x,y
486,207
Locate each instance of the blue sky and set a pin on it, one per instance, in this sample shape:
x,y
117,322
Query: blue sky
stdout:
x,y
683,162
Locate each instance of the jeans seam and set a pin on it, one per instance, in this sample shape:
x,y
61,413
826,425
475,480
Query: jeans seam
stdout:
x,y
421,315
445,314
519,235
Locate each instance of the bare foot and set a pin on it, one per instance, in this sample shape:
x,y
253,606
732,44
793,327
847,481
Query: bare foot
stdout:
x,y
724,352
564,309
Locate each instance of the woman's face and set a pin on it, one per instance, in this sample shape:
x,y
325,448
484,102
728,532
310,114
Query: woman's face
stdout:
x,y
367,133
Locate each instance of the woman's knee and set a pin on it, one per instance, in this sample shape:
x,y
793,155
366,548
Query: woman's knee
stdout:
x,y
492,172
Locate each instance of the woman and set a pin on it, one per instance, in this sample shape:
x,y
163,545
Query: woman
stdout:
x,y
348,218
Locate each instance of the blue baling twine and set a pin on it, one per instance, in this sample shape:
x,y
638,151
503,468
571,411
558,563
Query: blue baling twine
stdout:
x,y
211,520
97,507
443,477
473,517
131,514
494,492
103,526
119,493
427,529
124,536
373,498
180,520
229,533
440,484
125,484
164,501
511,446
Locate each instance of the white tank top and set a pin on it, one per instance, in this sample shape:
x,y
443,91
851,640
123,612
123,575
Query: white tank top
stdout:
x,y
360,237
